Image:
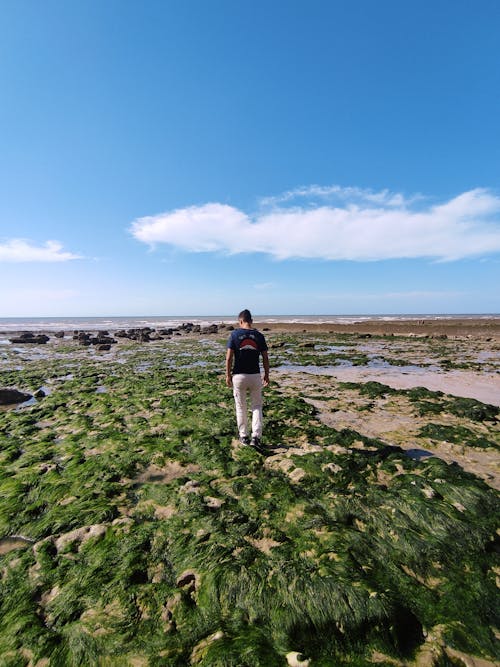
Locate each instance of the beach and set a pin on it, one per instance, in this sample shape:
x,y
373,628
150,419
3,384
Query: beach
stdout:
x,y
132,518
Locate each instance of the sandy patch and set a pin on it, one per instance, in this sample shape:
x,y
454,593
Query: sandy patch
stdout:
x,y
264,544
172,470
482,387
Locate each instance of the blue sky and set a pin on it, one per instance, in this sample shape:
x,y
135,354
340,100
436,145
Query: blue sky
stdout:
x,y
197,157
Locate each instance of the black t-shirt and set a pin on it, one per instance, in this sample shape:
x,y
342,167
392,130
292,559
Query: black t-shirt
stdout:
x,y
247,345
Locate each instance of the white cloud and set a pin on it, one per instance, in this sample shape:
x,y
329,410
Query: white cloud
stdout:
x,y
21,250
334,193
363,226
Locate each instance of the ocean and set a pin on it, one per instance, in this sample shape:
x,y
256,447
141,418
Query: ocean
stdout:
x,y
164,322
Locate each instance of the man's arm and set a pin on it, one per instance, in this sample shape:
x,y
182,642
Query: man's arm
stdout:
x,y
265,363
229,363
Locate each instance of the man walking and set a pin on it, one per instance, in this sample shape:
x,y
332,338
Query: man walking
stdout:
x,y
244,347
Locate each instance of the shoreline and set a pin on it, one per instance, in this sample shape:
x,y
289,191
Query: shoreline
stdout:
x,y
480,326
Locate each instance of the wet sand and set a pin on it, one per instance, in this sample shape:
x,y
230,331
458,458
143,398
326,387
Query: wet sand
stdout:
x,y
468,384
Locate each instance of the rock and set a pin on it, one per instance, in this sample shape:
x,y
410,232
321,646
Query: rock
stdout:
x,y
40,394
102,340
80,535
9,396
104,347
59,334
30,338
294,659
212,329
188,580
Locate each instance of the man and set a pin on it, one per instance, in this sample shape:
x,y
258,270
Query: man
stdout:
x,y
244,347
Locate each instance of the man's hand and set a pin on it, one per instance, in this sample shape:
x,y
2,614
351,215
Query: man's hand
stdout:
x,y
265,380
229,380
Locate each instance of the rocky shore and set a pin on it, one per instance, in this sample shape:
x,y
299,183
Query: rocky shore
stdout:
x,y
432,328
132,519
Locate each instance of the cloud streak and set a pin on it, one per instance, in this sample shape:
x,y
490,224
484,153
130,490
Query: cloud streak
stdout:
x,y
360,225
21,251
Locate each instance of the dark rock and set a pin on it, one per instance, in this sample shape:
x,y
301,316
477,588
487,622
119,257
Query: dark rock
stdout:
x,y
9,396
104,347
40,394
211,329
30,338
59,334
102,340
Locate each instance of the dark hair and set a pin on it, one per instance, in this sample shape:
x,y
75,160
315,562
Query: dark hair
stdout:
x,y
246,316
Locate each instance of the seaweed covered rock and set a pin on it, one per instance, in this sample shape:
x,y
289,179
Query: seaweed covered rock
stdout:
x,y
161,540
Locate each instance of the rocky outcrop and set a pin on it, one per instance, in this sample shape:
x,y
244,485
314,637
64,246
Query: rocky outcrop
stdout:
x,y
211,329
10,396
101,338
30,337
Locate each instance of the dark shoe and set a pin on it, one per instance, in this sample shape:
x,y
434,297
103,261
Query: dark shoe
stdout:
x,y
257,444
245,440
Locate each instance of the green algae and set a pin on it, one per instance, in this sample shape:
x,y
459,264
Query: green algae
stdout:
x,y
456,434
206,553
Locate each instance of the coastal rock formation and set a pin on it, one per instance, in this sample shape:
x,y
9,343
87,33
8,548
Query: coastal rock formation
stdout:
x,y
30,337
101,338
10,396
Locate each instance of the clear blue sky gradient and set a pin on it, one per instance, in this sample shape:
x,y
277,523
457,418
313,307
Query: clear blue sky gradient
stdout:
x,y
116,110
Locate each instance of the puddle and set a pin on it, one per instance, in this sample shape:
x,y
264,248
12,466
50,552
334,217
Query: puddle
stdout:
x,y
101,390
418,454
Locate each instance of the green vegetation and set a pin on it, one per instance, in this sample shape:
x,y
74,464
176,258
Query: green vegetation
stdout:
x,y
456,434
159,540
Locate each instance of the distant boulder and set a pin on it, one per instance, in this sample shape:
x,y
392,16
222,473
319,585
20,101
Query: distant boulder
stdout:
x,y
9,396
59,334
212,329
28,337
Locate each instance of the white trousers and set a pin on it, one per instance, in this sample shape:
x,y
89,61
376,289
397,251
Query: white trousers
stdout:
x,y
243,384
